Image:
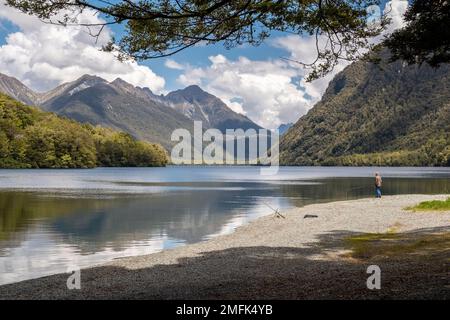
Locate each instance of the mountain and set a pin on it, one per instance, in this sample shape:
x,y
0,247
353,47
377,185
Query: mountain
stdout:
x,y
199,105
32,138
17,90
117,105
284,127
376,114
120,105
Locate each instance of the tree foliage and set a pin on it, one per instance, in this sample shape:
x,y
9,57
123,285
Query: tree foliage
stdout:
x,y
120,149
158,28
30,138
426,37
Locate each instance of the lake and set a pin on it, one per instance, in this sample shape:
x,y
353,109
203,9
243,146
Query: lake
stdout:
x,y
54,219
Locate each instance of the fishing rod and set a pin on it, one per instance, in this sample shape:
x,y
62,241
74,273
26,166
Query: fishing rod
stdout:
x,y
277,212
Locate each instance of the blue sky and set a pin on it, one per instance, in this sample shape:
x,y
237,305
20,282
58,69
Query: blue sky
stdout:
x,y
6,27
198,56
255,81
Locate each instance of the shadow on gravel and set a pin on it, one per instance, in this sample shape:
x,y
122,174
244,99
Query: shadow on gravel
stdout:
x,y
331,268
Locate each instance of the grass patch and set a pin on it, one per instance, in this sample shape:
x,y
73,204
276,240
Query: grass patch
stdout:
x,y
390,244
434,205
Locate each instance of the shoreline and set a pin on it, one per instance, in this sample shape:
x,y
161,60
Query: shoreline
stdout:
x,y
262,259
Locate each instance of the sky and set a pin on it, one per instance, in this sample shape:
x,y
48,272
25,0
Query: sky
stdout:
x,y
255,81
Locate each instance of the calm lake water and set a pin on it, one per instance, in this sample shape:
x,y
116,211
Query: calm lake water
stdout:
x,y
54,219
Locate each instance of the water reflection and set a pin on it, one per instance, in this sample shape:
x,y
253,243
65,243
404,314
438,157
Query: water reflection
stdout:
x,y
102,214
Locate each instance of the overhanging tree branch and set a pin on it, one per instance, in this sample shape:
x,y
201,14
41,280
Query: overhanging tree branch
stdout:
x,y
159,28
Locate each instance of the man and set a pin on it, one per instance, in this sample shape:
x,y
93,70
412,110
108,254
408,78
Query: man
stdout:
x,y
377,185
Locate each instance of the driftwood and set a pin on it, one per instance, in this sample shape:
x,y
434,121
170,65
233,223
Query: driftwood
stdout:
x,y
310,216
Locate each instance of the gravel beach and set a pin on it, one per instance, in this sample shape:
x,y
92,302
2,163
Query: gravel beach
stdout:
x,y
295,257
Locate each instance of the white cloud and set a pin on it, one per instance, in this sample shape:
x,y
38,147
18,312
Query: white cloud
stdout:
x,y
395,9
172,64
304,49
43,55
270,92
266,91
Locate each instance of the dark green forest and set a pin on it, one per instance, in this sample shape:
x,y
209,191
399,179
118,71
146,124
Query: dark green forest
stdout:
x,y
30,138
387,114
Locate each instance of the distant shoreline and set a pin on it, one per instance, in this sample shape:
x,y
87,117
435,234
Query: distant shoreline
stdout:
x,y
276,258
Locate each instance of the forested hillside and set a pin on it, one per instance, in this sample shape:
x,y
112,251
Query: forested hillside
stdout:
x,y
30,138
376,114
